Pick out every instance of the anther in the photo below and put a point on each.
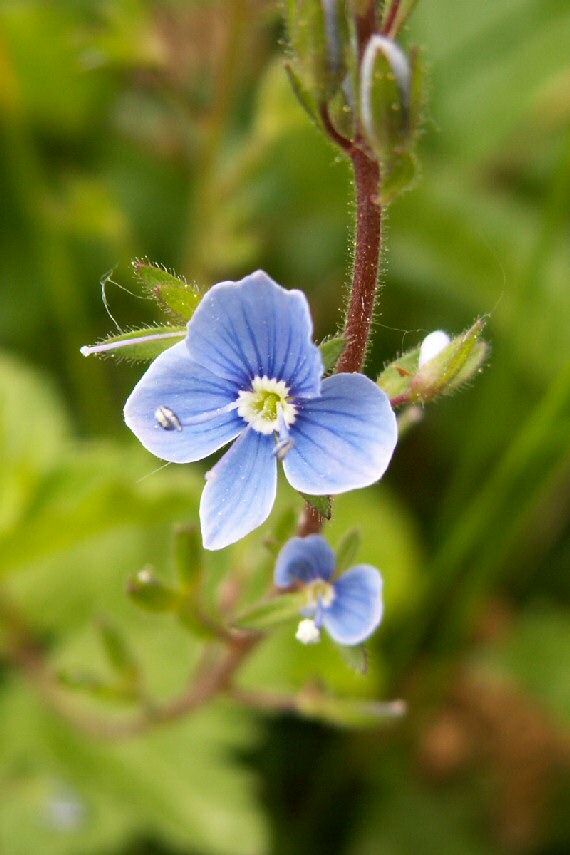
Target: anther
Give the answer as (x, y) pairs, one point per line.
(167, 419)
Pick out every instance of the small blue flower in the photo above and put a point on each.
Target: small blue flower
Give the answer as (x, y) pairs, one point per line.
(350, 608)
(248, 371)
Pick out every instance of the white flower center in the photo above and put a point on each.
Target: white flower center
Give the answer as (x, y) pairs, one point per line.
(262, 405)
(320, 591)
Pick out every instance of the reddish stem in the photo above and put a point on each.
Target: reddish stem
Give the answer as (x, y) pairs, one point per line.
(366, 261)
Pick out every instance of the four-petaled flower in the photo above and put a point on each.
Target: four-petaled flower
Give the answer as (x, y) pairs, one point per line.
(350, 607)
(248, 370)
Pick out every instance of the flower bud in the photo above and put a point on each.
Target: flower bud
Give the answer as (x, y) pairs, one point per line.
(147, 591)
(432, 345)
(385, 97)
(319, 37)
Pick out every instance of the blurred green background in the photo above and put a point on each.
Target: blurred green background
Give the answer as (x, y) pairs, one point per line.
(167, 129)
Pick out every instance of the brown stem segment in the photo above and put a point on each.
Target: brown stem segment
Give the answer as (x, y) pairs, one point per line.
(366, 260)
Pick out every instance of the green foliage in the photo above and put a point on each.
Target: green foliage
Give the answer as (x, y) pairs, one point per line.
(214, 172)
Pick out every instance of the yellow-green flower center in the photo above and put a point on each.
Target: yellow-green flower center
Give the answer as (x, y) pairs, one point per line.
(262, 405)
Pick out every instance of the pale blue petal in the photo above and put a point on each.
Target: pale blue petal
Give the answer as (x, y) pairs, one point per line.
(253, 328)
(344, 439)
(357, 607)
(190, 391)
(240, 490)
(304, 559)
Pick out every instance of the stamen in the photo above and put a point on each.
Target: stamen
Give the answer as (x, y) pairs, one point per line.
(168, 420)
(285, 443)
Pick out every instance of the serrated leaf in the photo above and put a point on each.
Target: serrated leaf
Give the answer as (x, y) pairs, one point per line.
(347, 550)
(322, 504)
(270, 613)
(142, 345)
(331, 351)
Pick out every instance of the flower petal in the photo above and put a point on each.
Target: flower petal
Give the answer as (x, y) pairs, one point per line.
(189, 391)
(253, 328)
(304, 559)
(344, 439)
(357, 607)
(240, 490)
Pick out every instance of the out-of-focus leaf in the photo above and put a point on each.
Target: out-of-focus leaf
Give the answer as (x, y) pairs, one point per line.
(355, 656)
(347, 550)
(272, 612)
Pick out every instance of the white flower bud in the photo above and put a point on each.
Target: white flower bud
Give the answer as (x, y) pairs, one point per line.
(432, 345)
(307, 632)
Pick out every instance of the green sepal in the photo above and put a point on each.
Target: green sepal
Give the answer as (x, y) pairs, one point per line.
(347, 712)
(151, 594)
(173, 293)
(318, 33)
(404, 9)
(331, 351)
(458, 363)
(347, 550)
(303, 95)
(398, 175)
(142, 345)
(119, 654)
(355, 656)
(396, 377)
(385, 98)
(270, 613)
(322, 504)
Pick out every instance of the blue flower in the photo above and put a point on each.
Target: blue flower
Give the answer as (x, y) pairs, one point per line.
(248, 371)
(350, 608)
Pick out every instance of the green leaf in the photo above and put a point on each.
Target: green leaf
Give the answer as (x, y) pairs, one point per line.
(120, 656)
(347, 550)
(140, 345)
(270, 613)
(150, 593)
(331, 351)
(188, 556)
(175, 295)
(322, 504)
(355, 656)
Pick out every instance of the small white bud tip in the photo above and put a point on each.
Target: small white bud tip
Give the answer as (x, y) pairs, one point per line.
(432, 345)
(307, 632)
